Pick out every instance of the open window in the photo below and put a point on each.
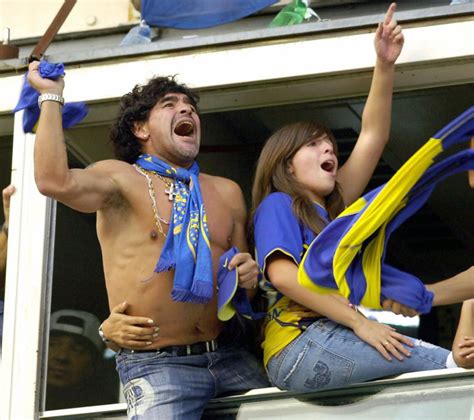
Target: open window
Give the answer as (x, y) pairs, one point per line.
(432, 245)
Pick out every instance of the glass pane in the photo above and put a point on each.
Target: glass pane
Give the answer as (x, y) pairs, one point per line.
(5, 175)
(80, 372)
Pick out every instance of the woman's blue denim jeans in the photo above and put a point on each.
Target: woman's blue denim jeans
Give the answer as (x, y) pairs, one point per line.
(328, 355)
(158, 385)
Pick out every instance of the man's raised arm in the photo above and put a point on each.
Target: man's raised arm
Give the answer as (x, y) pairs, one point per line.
(85, 190)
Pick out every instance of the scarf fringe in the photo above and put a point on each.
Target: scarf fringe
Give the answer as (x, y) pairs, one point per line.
(183, 295)
(202, 289)
(164, 266)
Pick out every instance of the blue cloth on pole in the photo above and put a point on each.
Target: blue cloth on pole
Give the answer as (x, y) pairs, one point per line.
(187, 249)
(73, 112)
(198, 14)
(358, 268)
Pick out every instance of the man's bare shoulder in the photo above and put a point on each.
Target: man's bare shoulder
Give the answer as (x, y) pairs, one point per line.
(110, 166)
(230, 192)
(225, 186)
(116, 170)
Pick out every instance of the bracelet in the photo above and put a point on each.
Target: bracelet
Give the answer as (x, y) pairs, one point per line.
(50, 97)
(103, 337)
(5, 229)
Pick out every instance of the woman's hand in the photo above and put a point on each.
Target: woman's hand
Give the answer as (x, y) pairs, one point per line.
(463, 345)
(384, 338)
(466, 352)
(389, 38)
(132, 332)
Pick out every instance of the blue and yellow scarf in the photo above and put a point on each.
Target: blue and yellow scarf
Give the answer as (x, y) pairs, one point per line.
(187, 248)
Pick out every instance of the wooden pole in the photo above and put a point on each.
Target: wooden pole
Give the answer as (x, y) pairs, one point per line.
(51, 32)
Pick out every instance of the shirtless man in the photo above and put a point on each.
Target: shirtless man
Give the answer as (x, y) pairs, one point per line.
(160, 119)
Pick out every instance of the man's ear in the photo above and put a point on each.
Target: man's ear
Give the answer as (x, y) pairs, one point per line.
(140, 130)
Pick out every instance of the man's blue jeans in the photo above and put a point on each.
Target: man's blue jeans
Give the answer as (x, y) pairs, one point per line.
(328, 355)
(158, 385)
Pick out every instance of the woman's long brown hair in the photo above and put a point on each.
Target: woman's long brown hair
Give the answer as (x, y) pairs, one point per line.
(272, 173)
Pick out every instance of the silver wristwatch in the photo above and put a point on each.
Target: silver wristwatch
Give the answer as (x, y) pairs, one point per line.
(50, 97)
(103, 337)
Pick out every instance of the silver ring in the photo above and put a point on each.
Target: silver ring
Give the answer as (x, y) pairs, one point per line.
(385, 344)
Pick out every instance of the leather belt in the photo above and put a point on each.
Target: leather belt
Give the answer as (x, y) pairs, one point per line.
(183, 349)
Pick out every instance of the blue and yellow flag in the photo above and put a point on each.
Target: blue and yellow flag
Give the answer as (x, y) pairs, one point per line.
(349, 253)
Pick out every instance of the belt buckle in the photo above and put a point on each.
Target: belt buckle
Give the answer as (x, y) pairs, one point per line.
(188, 350)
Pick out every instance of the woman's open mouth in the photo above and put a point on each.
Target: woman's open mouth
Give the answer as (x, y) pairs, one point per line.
(329, 166)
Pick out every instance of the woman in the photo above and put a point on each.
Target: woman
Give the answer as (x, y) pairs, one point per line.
(321, 342)
(314, 341)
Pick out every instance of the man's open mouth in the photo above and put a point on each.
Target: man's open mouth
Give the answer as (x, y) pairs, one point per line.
(184, 128)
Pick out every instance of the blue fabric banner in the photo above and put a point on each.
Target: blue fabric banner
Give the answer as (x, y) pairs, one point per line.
(198, 14)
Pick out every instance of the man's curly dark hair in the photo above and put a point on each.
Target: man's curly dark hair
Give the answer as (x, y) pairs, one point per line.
(135, 107)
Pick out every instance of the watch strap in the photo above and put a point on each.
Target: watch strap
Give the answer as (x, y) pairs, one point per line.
(103, 337)
(50, 97)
